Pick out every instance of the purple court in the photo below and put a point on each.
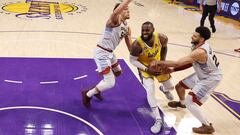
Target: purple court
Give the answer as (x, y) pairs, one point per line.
(42, 96)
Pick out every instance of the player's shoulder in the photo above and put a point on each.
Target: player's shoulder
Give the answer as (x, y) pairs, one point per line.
(199, 51)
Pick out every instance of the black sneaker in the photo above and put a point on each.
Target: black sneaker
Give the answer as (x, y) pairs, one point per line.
(175, 104)
(85, 99)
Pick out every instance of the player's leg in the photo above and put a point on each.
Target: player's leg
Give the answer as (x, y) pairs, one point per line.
(199, 94)
(116, 68)
(149, 86)
(103, 63)
(204, 15)
(167, 85)
(181, 87)
(212, 12)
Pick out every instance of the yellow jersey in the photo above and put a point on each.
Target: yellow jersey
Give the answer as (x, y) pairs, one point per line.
(150, 54)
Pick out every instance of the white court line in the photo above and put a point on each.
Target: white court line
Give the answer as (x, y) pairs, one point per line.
(49, 82)
(80, 77)
(12, 81)
(53, 110)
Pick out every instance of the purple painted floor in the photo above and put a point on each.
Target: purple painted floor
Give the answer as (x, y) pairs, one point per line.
(231, 105)
(42, 96)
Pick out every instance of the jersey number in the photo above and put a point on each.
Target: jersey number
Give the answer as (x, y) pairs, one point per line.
(215, 60)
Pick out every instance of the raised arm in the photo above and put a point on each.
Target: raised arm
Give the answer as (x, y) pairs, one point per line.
(128, 39)
(114, 16)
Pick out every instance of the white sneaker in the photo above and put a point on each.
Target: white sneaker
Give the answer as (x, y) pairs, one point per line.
(157, 126)
(167, 94)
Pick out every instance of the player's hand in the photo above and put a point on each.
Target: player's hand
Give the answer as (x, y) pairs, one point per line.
(154, 64)
(157, 64)
(153, 71)
(167, 70)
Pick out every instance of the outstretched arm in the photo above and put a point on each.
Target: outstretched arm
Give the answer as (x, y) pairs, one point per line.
(183, 67)
(197, 55)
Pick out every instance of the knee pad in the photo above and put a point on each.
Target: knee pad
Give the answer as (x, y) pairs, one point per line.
(107, 82)
(192, 99)
(168, 85)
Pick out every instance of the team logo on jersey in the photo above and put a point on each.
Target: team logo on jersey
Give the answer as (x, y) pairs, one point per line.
(41, 9)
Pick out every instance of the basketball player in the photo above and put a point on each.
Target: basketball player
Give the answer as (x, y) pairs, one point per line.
(116, 29)
(146, 48)
(205, 79)
(210, 8)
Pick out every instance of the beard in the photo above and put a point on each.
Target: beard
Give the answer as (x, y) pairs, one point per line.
(148, 38)
(194, 43)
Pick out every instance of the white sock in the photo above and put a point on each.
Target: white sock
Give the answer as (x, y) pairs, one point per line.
(194, 109)
(156, 112)
(168, 85)
(92, 92)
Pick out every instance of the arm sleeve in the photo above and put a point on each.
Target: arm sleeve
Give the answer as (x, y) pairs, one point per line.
(136, 63)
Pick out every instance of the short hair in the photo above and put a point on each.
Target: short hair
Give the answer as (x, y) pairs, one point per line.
(204, 32)
(116, 5)
(147, 23)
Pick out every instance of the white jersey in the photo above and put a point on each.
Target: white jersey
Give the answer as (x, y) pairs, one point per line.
(112, 36)
(211, 68)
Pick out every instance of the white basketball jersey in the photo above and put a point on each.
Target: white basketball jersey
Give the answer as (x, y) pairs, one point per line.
(112, 36)
(211, 68)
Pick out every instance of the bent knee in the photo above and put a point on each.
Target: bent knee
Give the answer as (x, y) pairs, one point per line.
(110, 83)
